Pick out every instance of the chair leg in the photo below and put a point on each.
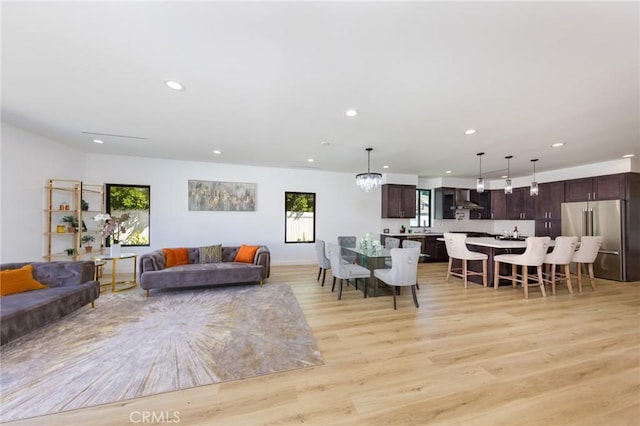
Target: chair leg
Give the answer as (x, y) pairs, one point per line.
(333, 286)
(366, 281)
(496, 274)
(340, 289)
(540, 280)
(579, 272)
(484, 273)
(394, 299)
(553, 279)
(591, 277)
(525, 280)
(324, 275)
(514, 274)
(449, 269)
(464, 271)
(567, 275)
(415, 298)
(319, 272)
(417, 285)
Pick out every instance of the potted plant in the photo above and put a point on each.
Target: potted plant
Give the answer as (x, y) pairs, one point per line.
(86, 240)
(84, 206)
(72, 223)
(71, 251)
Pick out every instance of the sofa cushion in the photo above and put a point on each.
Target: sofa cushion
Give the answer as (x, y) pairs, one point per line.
(202, 274)
(246, 253)
(176, 256)
(18, 281)
(211, 254)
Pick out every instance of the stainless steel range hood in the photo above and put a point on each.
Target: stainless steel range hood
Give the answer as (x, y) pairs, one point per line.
(462, 201)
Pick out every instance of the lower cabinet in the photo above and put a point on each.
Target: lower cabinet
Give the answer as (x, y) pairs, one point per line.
(436, 250)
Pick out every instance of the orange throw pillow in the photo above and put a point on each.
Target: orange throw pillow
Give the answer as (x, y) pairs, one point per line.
(246, 254)
(176, 256)
(18, 280)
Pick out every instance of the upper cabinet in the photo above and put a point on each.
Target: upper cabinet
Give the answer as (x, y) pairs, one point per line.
(483, 199)
(444, 203)
(550, 199)
(608, 187)
(520, 205)
(498, 204)
(398, 201)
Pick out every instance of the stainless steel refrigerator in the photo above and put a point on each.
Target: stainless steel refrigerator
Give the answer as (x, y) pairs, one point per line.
(604, 218)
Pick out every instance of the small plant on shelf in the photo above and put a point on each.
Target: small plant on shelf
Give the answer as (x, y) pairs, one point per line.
(71, 251)
(72, 223)
(87, 240)
(84, 206)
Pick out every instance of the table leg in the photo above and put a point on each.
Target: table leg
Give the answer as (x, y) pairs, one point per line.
(113, 275)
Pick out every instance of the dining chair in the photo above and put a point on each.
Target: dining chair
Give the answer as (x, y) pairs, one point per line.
(457, 249)
(390, 243)
(533, 255)
(346, 271)
(403, 272)
(413, 244)
(323, 261)
(586, 255)
(562, 253)
(348, 241)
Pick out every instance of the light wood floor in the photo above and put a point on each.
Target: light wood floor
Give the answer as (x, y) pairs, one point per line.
(465, 357)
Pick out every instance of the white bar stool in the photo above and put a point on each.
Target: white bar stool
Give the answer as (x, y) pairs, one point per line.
(586, 255)
(533, 255)
(457, 249)
(562, 253)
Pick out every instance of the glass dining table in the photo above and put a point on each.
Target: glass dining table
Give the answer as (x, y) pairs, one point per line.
(371, 259)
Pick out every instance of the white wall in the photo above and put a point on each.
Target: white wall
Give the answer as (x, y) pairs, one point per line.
(341, 207)
(28, 160)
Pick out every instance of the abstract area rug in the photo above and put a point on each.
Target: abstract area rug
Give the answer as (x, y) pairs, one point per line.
(131, 346)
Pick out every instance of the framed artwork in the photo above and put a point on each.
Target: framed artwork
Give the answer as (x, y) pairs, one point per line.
(222, 196)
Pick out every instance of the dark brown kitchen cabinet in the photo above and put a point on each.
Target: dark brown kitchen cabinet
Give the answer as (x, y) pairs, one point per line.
(498, 204)
(483, 199)
(608, 187)
(549, 201)
(548, 228)
(444, 203)
(398, 201)
(437, 250)
(520, 205)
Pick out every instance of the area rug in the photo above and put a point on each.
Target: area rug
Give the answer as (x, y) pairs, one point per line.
(131, 346)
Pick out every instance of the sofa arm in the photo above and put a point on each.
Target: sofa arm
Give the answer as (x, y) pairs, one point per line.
(56, 274)
(263, 257)
(154, 261)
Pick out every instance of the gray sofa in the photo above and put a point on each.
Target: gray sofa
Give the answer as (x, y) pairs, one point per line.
(71, 286)
(154, 273)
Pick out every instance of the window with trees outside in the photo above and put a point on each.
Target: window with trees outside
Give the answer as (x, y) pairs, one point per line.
(132, 202)
(423, 209)
(300, 217)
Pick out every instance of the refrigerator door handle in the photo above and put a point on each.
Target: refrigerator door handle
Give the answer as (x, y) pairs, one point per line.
(614, 252)
(589, 222)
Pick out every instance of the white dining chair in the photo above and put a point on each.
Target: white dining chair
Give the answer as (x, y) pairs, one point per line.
(346, 271)
(533, 256)
(403, 272)
(323, 261)
(457, 249)
(390, 243)
(413, 244)
(348, 241)
(562, 253)
(586, 255)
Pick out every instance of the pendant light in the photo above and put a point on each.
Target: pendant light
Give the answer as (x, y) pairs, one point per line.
(368, 181)
(480, 180)
(533, 191)
(508, 189)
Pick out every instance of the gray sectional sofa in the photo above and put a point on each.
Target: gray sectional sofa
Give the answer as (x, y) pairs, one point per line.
(155, 274)
(71, 286)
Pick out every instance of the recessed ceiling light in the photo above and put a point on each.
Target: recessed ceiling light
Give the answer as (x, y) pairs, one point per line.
(310, 160)
(504, 176)
(628, 155)
(98, 141)
(325, 143)
(448, 172)
(555, 145)
(174, 85)
(470, 131)
(351, 113)
(217, 151)
(385, 167)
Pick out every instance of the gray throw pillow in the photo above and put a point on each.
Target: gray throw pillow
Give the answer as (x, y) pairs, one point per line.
(211, 254)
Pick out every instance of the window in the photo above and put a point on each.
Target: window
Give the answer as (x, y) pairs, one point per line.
(300, 217)
(135, 201)
(423, 208)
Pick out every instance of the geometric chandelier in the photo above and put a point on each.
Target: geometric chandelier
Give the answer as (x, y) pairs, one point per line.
(369, 180)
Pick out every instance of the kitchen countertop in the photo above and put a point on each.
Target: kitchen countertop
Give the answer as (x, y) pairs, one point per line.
(499, 244)
(413, 234)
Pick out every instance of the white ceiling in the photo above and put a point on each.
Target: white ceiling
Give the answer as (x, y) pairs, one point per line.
(266, 83)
